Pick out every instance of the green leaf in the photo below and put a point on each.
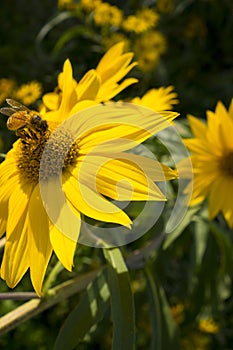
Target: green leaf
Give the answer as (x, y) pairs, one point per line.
(226, 248)
(87, 313)
(51, 24)
(75, 31)
(172, 236)
(164, 330)
(155, 311)
(201, 235)
(122, 303)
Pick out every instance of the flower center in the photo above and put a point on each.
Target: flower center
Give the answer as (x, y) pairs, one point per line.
(226, 164)
(57, 156)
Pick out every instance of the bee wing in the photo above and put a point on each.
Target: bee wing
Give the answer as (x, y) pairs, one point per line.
(7, 111)
(16, 105)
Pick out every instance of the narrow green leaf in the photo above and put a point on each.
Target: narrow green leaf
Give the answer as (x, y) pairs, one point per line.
(88, 312)
(170, 338)
(154, 310)
(172, 236)
(51, 24)
(201, 235)
(164, 330)
(122, 303)
(226, 248)
(74, 32)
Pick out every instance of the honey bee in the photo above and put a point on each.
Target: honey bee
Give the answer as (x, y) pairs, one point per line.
(25, 122)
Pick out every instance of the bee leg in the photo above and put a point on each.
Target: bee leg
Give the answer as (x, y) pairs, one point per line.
(24, 133)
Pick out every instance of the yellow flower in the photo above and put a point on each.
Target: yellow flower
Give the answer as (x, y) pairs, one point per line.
(100, 84)
(177, 312)
(144, 20)
(6, 88)
(28, 93)
(165, 6)
(91, 170)
(106, 14)
(212, 158)
(161, 99)
(90, 5)
(115, 38)
(195, 28)
(65, 4)
(208, 326)
(148, 49)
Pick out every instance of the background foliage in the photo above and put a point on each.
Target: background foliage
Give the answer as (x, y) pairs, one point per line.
(182, 284)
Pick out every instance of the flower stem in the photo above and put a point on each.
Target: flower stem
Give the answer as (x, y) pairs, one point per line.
(52, 276)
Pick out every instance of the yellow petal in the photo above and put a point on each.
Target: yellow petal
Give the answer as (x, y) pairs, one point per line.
(69, 97)
(51, 100)
(39, 246)
(118, 124)
(198, 127)
(16, 255)
(161, 99)
(108, 91)
(8, 169)
(117, 69)
(18, 203)
(114, 52)
(88, 86)
(122, 176)
(63, 246)
(61, 214)
(5, 192)
(217, 196)
(91, 203)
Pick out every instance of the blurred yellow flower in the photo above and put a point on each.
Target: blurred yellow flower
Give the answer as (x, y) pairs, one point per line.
(161, 99)
(195, 341)
(142, 21)
(177, 312)
(148, 49)
(28, 93)
(196, 27)
(31, 236)
(106, 14)
(6, 88)
(212, 158)
(208, 325)
(115, 38)
(65, 4)
(165, 6)
(90, 5)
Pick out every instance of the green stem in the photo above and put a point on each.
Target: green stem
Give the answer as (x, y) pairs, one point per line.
(52, 276)
(36, 306)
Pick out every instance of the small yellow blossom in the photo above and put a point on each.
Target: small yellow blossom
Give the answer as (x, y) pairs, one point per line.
(208, 325)
(195, 28)
(142, 21)
(90, 5)
(148, 49)
(195, 341)
(177, 312)
(65, 4)
(114, 39)
(6, 88)
(165, 6)
(28, 93)
(105, 14)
